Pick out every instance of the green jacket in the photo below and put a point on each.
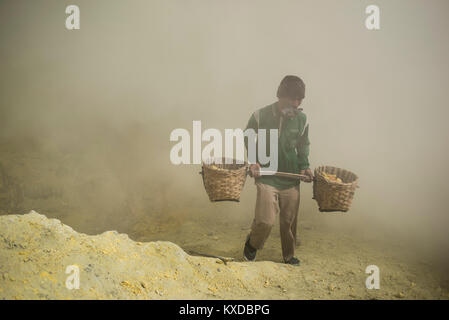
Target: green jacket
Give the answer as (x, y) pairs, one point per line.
(293, 143)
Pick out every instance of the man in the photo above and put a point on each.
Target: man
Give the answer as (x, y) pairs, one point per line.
(278, 194)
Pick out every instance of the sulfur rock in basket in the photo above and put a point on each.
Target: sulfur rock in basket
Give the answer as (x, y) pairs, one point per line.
(334, 188)
(222, 181)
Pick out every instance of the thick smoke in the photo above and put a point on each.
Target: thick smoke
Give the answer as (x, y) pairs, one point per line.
(86, 115)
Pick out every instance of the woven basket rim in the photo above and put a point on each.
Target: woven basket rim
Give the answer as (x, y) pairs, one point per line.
(210, 164)
(317, 169)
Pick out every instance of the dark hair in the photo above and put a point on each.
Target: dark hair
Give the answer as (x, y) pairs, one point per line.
(291, 87)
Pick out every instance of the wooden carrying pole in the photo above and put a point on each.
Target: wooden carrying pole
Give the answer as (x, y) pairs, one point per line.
(283, 174)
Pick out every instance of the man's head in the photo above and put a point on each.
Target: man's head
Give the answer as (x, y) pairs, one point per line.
(291, 91)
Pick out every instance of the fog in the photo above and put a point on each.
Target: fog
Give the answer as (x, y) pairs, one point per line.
(95, 107)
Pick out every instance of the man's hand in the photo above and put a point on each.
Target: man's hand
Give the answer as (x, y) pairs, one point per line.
(254, 170)
(308, 173)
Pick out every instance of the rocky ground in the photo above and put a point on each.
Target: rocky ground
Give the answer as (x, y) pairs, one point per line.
(162, 218)
(35, 253)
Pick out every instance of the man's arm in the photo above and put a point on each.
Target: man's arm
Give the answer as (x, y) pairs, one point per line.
(252, 124)
(303, 149)
(303, 155)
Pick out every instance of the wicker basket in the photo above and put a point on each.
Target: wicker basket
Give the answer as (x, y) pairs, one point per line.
(334, 196)
(223, 182)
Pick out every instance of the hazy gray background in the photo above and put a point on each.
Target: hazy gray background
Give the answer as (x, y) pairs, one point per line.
(85, 115)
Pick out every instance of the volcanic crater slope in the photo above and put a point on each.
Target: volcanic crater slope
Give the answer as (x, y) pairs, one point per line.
(36, 252)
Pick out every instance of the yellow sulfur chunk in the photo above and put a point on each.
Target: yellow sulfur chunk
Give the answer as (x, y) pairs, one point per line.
(331, 177)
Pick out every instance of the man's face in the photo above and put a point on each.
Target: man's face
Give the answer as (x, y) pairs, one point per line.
(290, 102)
(289, 107)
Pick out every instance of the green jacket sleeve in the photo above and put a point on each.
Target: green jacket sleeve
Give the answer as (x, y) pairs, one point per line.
(303, 149)
(252, 124)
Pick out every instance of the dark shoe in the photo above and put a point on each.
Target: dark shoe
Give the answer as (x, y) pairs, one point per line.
(249, 253)
(293, 261)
